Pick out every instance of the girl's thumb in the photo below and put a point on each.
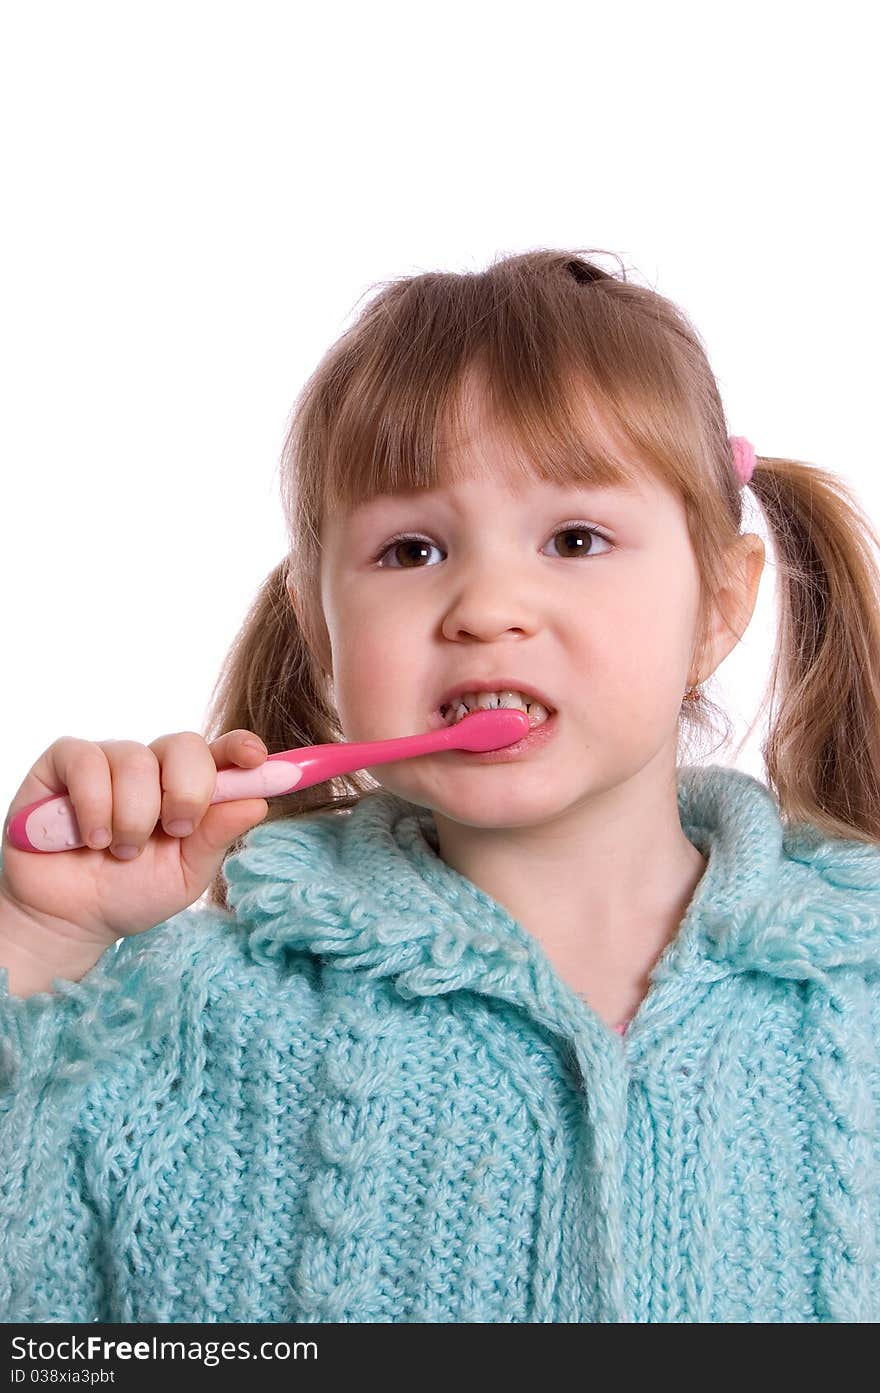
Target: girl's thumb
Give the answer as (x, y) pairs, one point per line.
(206, 847)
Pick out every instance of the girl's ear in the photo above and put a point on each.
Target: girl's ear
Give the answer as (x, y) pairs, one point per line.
(735, 603)
(753, 560)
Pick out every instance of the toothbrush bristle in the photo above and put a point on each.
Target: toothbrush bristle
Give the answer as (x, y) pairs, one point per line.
(491, 730)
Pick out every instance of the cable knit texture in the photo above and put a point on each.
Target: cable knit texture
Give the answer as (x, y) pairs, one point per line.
(365, 1094)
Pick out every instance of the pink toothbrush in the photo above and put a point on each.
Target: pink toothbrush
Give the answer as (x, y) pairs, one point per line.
(50, 824)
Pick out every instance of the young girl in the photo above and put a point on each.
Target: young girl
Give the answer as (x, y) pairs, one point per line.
(385, 1072)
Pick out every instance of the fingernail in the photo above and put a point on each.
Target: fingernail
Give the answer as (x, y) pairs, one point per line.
(180, 828)
(100, 838)
(256, 745)
(125, 853)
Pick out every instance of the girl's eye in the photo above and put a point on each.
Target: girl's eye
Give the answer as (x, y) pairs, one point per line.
(415, 546)
(579, 547)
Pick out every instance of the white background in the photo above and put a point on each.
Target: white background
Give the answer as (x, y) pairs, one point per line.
(197, 195)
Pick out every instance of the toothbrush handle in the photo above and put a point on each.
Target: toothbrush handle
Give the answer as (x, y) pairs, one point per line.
(50, 824)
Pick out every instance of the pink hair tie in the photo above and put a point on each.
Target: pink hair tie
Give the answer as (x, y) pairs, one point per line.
(743, 457)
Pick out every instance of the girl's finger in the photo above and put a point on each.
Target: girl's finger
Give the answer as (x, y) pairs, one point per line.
(238, 747)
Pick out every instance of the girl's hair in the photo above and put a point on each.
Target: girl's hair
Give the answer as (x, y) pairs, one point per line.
(597, 380)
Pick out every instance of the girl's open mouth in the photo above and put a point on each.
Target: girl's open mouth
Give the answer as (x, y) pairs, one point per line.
(539, 736)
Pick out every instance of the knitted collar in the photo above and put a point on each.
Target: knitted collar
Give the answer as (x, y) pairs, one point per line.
(366, 889)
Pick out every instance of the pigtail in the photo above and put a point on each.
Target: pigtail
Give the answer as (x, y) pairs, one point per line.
(270, 683)
(822, 750)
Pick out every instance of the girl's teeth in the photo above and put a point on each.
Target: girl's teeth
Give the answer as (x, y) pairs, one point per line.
(490, 701)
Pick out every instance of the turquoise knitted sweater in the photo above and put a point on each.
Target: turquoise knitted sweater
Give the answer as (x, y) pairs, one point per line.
(366, 1095)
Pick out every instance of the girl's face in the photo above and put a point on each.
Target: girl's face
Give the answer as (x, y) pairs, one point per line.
(504, 579)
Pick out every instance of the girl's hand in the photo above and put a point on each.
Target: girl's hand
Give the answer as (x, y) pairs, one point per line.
(138, 793)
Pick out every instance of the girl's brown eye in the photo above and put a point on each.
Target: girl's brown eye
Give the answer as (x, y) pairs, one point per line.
(416, 548)
(580, 548)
